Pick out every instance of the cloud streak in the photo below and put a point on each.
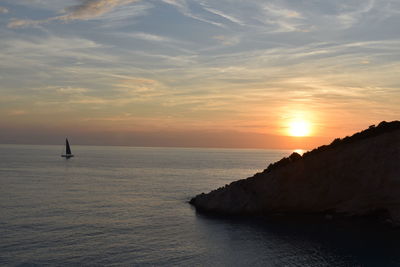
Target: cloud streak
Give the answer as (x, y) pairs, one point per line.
(85, 10)
(225, 16)
(183, 7)
(150, 37)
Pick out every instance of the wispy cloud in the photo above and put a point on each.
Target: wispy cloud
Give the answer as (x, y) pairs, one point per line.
(134, 85)
(185, 10)
(149, 37)
(286, 20)
(225, 16)
(72, 90)
(178, 3)
(352, 14)
(227, 40)
(85, 10)
(89, 9)
(17, 112)
(49, 49)
(277, 11)
(3, 10)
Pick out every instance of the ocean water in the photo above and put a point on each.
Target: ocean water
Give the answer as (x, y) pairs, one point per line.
(128, 207)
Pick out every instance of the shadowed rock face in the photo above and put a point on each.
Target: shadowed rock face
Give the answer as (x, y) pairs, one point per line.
(357, 175)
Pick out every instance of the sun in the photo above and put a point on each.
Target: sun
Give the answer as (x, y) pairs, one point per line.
(299, 128)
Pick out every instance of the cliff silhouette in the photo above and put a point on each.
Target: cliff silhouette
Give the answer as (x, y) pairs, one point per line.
(354, 176)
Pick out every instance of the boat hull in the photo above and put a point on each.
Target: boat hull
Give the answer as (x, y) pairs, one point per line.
(67, 156)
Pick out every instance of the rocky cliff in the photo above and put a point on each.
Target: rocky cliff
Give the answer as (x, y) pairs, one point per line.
(357, 175)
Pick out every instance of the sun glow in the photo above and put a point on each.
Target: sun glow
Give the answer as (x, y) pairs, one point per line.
(299, 128)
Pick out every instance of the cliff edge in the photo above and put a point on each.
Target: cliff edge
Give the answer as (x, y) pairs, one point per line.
(354, 176)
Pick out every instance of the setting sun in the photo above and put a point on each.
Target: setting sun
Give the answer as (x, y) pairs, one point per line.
(299, 128)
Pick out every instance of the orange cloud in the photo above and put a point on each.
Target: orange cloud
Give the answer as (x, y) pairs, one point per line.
(87, 9)
(17, 112)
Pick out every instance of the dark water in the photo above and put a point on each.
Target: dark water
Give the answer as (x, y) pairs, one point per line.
(128, 206)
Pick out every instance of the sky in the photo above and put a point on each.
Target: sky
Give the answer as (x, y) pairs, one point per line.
(196, 73)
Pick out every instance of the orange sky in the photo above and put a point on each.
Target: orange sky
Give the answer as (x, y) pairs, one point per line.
(190, 73)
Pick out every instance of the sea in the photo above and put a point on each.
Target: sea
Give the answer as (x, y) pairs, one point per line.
(128, 206)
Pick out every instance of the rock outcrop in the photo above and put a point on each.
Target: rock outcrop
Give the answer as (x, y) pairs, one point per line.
(357, 175)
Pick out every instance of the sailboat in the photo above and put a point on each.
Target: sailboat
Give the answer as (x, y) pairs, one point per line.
(68, 154)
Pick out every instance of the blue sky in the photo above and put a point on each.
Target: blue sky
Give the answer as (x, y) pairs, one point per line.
(172, 65)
